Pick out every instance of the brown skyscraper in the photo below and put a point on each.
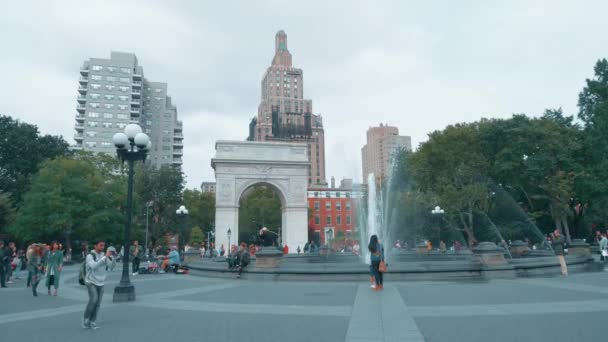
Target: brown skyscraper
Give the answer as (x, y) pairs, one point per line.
(284, 114)
(382, 142)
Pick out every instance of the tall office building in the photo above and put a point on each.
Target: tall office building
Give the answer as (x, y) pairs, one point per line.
(382, 142)
(113, 93)
(285, 115)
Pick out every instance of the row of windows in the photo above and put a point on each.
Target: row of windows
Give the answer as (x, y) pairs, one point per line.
(97, 86)
(106, 124)
(96, 96)
(328, 220)
(108, 105)
(328, 205)
(337, 194)
(108, 115)
(110, 69)
(111, 78)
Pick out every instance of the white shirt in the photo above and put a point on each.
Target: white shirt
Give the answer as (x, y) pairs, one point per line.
(97, 268)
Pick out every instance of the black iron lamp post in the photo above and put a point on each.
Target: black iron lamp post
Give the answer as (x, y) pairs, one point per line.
(437, 212)
(229, 245)
(132, 145)
(182, 213)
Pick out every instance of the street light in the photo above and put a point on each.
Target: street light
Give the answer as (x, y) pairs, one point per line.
(438, 211)
(182, 212)
(132, 145)
(210, 234)
(229, 245)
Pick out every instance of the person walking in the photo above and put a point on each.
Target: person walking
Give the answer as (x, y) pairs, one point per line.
(558, 248)
(136, 254)
(53, 267)
(97, 266)
(603, 248)
(377, 255)
(35, 266)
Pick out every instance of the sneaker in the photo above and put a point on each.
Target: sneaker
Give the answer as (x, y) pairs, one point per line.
(373, 286)
(93, 325)
(86, 324)
(135, 273)
(9, 282)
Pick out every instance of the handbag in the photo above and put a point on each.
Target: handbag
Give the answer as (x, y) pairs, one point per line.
(382, 267)
(605, 252)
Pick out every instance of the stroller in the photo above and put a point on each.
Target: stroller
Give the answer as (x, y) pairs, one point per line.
(148, 267)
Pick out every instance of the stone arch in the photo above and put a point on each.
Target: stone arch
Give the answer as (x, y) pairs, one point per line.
(240, 165)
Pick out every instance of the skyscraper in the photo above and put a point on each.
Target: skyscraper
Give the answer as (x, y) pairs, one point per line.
(382, 142)
(285, 115)
(113, 93)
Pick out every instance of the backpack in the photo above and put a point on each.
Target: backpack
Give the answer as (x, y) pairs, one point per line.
(83, 270)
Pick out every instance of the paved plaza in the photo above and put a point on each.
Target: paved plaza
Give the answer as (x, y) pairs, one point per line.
(190, 308)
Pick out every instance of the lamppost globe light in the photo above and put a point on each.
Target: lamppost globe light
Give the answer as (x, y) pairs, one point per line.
(132, 130)
(149, 146)
(141, 140)
(182, 207)
(185, 212)
(120, 140)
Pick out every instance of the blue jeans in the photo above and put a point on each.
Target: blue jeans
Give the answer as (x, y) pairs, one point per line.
(95, 295)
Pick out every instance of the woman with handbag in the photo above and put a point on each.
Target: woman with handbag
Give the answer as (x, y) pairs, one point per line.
(377, 257)
(53, 267)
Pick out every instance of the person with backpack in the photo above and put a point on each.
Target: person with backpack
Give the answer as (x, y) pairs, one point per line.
(93, 276)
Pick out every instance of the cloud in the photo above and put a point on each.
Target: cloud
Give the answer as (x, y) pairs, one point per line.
(419, 66)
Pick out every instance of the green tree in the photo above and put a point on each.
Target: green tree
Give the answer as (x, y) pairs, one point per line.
(22, 149)
(201, 207)
(7, 212)
(71, 198)
(196, 237)
(259, 206)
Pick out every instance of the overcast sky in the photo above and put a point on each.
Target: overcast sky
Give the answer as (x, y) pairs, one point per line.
(416, 65)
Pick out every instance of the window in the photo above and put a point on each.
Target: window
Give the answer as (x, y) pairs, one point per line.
(317, 220)
(338, 194)
(106, 144)
(110, 87)
(95, 96)
(123, 97)
(123, 106)
(327, 194)
(158, 90)
(109, 96)
(122, 116)
(328, 220)
(108, 115)
(338, 206)
(94, 104)
(347, 206)
(157, 98)
(95, 86)
(107, 124)
(96, 77)
(148, 122)
(91, 133)
(121, 125)
(92, 123)
(316, 194)
(348, 220)
(125, 80)
(109, 106)
(338, 219)
(125, 70)
(91, 143)
(123, 88)
(316, 205)
(328, 205)
(110, 78)
(148, 131)
(93, 114)
(96, 68)
(111, 69)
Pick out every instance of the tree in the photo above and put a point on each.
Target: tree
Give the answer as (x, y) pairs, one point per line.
(201, 207)
(22, 149)
(7, 212)
(71, 198)
(164, 187)
(259, 206)
(196, 237)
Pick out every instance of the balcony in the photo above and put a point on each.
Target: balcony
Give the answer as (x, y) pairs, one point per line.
(178, 136)
(83, 80)
(84, 72)
(79, 118)
(135, 103)
(177, 161)
(134, 112)
(177, 144)
(81, 99)
(136, 93)
(137, 76)
(178, 152)
(81, 108)
(136, 84)
(82, 89)
(78, 137)
(79, 127)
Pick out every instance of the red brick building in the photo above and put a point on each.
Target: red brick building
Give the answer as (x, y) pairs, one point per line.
(333, 210)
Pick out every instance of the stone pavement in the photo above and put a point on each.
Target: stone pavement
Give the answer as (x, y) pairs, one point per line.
(189, 308)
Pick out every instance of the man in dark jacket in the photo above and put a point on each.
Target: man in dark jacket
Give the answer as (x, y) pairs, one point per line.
(558, 248)
(4, 257)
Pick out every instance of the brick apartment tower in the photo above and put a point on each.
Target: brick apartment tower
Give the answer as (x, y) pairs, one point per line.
(284, 114)
(382, 142)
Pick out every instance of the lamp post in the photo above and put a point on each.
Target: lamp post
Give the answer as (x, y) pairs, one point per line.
(132, 145)
(182, 213)
(436, 212)
(210, 234)
(229, 245)
(148, 205)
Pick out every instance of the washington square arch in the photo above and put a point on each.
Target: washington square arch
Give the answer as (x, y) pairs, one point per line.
(283, 167)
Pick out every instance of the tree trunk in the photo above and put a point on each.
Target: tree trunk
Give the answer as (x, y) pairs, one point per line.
(471, 240)
(566, 229)
(558, 224)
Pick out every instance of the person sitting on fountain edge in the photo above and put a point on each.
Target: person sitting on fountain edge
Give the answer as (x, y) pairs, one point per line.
(240, 259)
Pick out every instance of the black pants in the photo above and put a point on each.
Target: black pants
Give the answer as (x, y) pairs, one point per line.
(2, 275)
(51, 282)
(35, 282)
(135, 264)
(377, 274)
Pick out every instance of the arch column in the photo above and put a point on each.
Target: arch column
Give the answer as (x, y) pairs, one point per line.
(226, 217)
